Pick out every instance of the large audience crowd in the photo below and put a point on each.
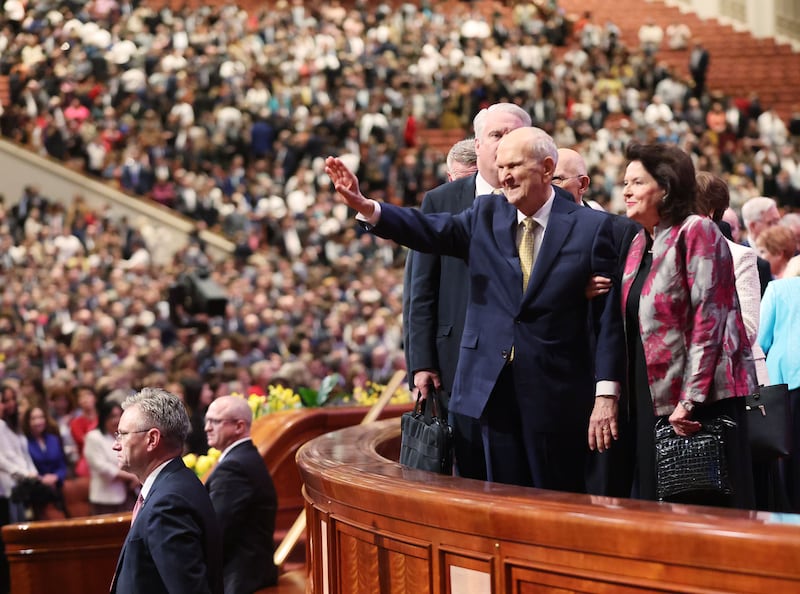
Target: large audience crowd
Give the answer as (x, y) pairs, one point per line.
(226, 116)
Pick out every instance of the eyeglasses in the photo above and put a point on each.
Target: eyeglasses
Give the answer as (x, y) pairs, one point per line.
(557, 179)
(215, 422)
(118, 435)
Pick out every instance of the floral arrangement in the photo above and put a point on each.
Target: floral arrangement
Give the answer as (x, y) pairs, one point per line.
(280, 398)
(203, 463)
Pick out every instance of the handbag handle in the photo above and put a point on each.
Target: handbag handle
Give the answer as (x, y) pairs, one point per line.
(664, 428)
(433, 405)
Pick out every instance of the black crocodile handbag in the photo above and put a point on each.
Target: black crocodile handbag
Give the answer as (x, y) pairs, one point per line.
(696, 463)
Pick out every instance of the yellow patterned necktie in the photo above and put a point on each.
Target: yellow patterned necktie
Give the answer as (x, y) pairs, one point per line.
(526, 246)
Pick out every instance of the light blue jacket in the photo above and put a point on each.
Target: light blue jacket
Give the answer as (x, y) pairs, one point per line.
(779, 331)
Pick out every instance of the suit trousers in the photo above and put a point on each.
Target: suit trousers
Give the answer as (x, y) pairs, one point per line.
(470, 460)
(518, 455)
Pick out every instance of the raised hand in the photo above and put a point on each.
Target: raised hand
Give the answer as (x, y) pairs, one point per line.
(346, 184)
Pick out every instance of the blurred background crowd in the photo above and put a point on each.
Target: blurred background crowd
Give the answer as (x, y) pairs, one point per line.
(226, 116)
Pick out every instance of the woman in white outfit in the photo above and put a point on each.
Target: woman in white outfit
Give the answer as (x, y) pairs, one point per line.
(712, 200)
(111, 490)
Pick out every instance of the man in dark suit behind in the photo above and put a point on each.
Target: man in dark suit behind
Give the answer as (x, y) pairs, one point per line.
(610, 472)
(244, 498)
(173, 544)
(527, 369)
(438, 286)
(461, 163)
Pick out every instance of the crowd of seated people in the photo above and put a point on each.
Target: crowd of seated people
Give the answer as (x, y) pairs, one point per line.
(226, 116)
(80, 332)
(78, 329)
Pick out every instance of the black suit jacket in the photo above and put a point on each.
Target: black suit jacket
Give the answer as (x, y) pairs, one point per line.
(437, 288)
(699, 68)
(174, 544)
(245, 502)
(623, 230)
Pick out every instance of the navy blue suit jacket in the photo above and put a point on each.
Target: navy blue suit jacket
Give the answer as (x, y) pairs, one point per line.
(174, 545)
(246, 503)
(547, 325)
(436, 290)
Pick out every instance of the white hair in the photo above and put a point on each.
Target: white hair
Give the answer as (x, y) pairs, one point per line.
(480, 119)
(754, 208)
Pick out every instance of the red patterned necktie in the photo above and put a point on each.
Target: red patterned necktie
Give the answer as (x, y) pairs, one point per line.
(137, 506)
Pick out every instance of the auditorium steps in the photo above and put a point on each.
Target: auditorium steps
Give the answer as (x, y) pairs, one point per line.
(439, 140)
(740, 64)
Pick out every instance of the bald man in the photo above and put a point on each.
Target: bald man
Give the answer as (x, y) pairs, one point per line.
(570, 175)
(243, 497)
(437, 287)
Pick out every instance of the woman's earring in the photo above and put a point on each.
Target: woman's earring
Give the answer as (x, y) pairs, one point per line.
(664, 197)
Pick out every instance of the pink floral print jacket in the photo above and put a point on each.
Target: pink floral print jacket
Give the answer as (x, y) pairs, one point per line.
(695, 343)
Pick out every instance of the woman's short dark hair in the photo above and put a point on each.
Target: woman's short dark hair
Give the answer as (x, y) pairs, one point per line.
(713, 197)
(104, 410)
(673, 171)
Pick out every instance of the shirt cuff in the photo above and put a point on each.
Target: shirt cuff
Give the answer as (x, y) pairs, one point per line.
(608, 388)
(375, 217)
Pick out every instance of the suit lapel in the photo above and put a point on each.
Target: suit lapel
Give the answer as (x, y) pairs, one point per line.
(504, 229)
(467, 194)
(113, 588)
(175, 464)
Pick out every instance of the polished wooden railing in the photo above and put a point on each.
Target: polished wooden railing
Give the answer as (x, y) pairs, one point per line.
(75, 556)
(376, 526)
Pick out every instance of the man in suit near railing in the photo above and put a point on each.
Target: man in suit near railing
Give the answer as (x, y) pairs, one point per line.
(437, 287)
(528, 370)
(173, 544)
(243, 496)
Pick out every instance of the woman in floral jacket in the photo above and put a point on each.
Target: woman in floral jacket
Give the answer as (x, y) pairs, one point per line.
(689, 357)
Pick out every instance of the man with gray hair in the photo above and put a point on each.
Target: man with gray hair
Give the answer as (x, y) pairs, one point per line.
(174, 542)
(539, 383)
(462, 160)
(758, 214)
